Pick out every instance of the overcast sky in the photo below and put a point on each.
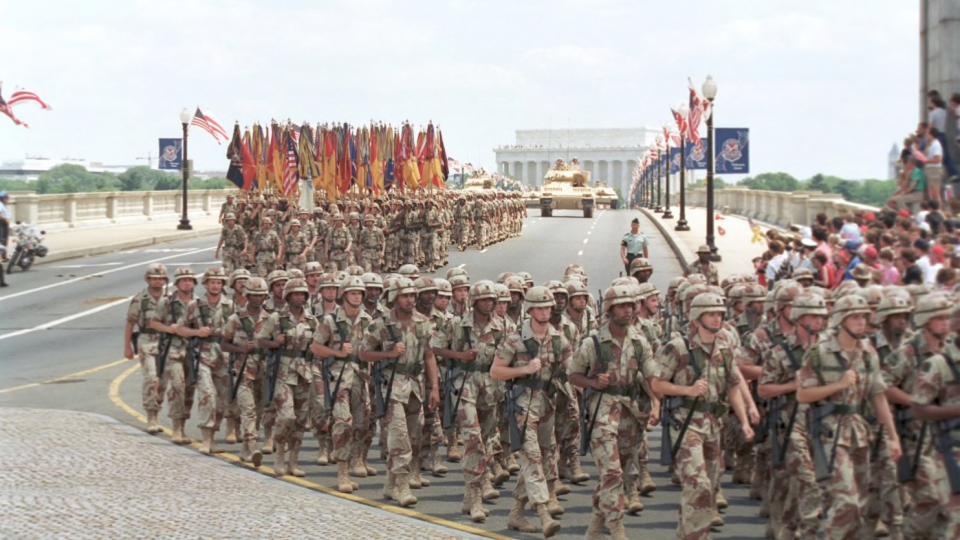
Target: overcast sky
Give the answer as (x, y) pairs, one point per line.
(824, 86)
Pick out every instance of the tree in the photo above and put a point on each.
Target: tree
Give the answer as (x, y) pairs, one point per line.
(144, 178)
(74, 179)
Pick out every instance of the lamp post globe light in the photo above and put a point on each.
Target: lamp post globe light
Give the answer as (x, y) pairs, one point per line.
(682, 224)
(185, 118)
(710, 92)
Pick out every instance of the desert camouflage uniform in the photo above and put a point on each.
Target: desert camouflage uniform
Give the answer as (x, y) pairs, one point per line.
(338, 240)
(266, 248)
(241, 328)
(171, 310)
(708, 269)
(234, 239)
(621, 417)
(295, 250)
(142, 310)
(213, 378)
(372, 243)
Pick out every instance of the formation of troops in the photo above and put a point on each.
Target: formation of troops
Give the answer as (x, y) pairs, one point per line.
(840, 409)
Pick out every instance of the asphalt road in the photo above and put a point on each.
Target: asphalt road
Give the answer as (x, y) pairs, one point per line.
(66, 319)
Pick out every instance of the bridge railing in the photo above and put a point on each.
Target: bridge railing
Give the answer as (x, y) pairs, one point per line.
(65, 210)
(781, 208)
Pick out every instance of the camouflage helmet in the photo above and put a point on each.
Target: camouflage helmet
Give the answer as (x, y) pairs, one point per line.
(256, 286)
(574, 269)
(646, 290)
(184, 273)
(527, 278)
(295, 273)
(873, 294)
(295, 223)
(503, 276)
(930, 307)
(674, 284)
(237, 275)
(623, 280)
(372, 281)
(804, 274)
(456, 271)
(735, 293)
(556, 287)
(398, 287)
(514, 284)
(352, 283)
(754, 292)
(503, 293)
(483, 289)
(783, 295)
(443, 287)
(156, 270)
(892, 304)
(538, 296)
(230, 216)
(409, 271)
(706, 303)
(575, 287)
(275, 276)
(851, 304)
(617, 294)
(296, 285)
(329, 279)
(697, 279)
(313, 268)
(918, 291)
(214, 273)
(425, 284)
(808, 303)
(458, 281)
(845, 289)
(862, 272)
(354, 270)
(639, 265)
(369, 218)
(703, 249)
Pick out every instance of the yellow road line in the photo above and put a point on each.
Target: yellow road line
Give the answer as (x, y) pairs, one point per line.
(65, 377)
(268, 471)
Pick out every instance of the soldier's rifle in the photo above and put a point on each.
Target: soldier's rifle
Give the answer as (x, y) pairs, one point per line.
(450, 407)
(330, 396)
(946, 444)
(588, 421)
(384, 399)
(273, 371)
(161, 362)
(694, 407)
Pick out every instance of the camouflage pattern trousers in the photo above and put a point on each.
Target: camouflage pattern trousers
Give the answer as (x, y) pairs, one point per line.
(929, 493)
(615, 445)
(477, 419)
(886, 495)
(179, 393)
(152, 388)
(794, 493)
(266, 263)
(232, 259)
(321, 417)
(698, 466)
(213, 394)
(292, 402)
(845, 494)
(568, 427)
(351, 411)
(538, 455)
(247, 400)
(404, 423)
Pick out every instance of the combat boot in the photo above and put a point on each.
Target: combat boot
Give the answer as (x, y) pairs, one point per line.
(454, 453)
(499, 475)
(647, 485)
(595, 529)
(577, 474)
(417, 476)
(561, 488)
(722, 503)
(279, 459)
(323, 456)
(634, 504)
(233, 428)
(268, 441)
(293, 458)
(256, 456)
(617, 532)
(401, 492)
(437, 468)
(881, 530)
(153, 425)
(717, 521)
(549, 525)
(343, 478)
(473, 505)
(206, 441)
(370, 470)
(516, 521)
(388, 486)
(512, 466)
(489, 493)
(179, 437)
(553, 504)
(357, 469)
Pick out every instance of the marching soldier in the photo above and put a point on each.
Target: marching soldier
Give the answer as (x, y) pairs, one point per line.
(700, 369)
(296, 246)
(276, 281)
(144, 343)
(402, 339)
(372, 245)
(614, 366)
(267, 247)
(233, 241)
(239, 337)
(531, 359)
(339, 241)
(176, 315)
(213, 375)
(841, 372)
(287, 335)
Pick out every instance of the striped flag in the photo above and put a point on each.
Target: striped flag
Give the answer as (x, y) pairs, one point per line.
(681, 122)
(23, 96)
(290, 175)
(694, 116)
(209, 125)
(5, 109)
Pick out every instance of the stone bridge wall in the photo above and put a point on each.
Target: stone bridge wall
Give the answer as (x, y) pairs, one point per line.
(781, 208)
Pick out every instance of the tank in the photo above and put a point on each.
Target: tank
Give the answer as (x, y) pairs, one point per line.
(606, 196)
(567, 187)
(479, 183)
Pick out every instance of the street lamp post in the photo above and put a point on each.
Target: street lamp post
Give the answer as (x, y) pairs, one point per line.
(710, 92)
(666, 180)
(682, 225)
(185, 118)
(659, 163)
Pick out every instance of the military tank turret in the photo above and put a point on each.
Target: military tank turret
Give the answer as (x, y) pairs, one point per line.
(567, 187)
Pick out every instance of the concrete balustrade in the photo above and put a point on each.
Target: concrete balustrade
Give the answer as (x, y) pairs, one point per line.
(68, 210)
(781, 208)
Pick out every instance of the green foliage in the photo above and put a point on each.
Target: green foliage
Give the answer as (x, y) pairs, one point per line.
(872, 192)
(210, 183)
(718, 183)
(773, 181)
(76, 179)
(14, 185)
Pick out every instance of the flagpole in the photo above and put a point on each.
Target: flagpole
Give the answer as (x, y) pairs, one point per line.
(666, 175)
(682, 222)
(185, 118)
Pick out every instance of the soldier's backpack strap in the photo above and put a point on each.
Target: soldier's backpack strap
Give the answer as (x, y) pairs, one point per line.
(248, 327)
(557, 348)
(954, 369)
(697, 367)
(794, 363)
(466, 337)
(144, 299)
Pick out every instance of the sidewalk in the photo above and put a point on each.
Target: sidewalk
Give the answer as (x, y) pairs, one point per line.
(81, 475)
(84, 242)
(732, 236)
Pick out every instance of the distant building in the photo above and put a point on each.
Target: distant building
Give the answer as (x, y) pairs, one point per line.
(893, 159)
(610, 155)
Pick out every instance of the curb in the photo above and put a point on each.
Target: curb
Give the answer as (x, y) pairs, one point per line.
(102, 249)
(681, 254)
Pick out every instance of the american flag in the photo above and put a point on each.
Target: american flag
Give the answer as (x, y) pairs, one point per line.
(681, 121)
(5, 109)
(694, 116)
(23, 96)
(209, 125)
(290, 175)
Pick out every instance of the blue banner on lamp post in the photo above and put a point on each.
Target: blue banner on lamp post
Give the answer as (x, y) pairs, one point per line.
(732, 148)
(171, 154)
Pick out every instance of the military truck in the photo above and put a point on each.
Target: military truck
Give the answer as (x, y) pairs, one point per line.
(606, 196)
(566, 187)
